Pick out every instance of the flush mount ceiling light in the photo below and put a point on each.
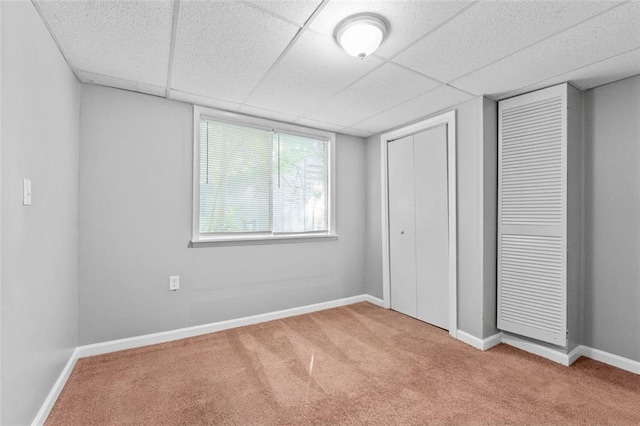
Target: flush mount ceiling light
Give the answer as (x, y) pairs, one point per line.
(360, 35)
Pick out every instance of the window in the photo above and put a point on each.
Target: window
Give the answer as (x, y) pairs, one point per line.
(258, 180)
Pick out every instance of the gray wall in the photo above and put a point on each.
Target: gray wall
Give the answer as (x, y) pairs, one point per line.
(489, 216)
(135, 225)
(612, 220)
(40, 116)
(476, 172)
(373, 213)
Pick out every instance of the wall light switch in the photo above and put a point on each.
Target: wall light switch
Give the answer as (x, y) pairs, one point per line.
(26, 197)
(174, 283)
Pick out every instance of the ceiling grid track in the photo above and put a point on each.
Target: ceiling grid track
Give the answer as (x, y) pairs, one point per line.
(270, 13)
(532, 86)
(172, 48)
(55, 40)
(390, 60)
(288, 48)
(543, 39)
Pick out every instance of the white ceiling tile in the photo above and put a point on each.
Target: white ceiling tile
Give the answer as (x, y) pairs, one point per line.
(607, 71)
(191, 98)
(265, 113)
(607, 35)
(297, 11)
(437, 100)
(408, 19)
(223, 48)
(104, 80)
(378, 91)
(311, 72)
(320, 125)
(124, 39)
(356, 132)
(491, 30)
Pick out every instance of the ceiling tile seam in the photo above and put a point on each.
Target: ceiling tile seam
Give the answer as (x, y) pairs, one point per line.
(542, 40)
(55, 40)
(172, 46)
(339, 92)
(122, 81)
(206, 97)
(118, 79)
(449, 108)
(390, 58)
(434, 29)
(532, 85)
(429, 77)
(353, 125)
(271, 110)
(286, 50)
(268, 12)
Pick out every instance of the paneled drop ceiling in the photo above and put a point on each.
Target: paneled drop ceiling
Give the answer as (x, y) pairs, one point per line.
(278, 59)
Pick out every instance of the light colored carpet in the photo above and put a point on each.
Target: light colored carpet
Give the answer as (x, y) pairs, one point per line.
(358, 364)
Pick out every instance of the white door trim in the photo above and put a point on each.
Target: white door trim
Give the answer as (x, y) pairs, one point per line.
(449, 119)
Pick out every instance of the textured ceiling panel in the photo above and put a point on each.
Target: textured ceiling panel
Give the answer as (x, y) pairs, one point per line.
(265, 113)
(489, 31)
(190, 98)
(297, 11)
(384, 88)
(134, 86)
(607, 35)
(437, 100)
(314, 124)
(223, 48)
(311, 72)
(408, 19)
(607, 71)
(356, 132)
(127, 40)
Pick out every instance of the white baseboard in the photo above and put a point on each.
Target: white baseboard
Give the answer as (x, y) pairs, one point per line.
(574, 354)
(478, 343)
(611, 359)
(374, 300)
(183, 333)
(51, 399)
(536, 349)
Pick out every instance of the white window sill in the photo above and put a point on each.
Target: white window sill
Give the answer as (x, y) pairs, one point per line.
(249, 241)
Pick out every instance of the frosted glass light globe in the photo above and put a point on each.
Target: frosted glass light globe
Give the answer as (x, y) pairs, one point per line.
(361, 35)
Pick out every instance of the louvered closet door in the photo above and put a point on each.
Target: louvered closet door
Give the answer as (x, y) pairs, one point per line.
(532, 260)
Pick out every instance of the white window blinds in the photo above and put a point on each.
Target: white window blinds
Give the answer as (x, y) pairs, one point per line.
(261, 181)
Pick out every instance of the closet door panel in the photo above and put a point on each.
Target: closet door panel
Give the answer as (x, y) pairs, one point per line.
(532, 281)
(402, 226)
(432, 226)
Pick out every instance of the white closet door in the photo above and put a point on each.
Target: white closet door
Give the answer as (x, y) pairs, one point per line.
(432, 226)
(402, 236)
(532, 256)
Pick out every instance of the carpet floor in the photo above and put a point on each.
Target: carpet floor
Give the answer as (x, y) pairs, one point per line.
(358, 364)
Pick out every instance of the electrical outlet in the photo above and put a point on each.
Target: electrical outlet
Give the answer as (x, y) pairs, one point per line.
(26, 192)
(174, 283)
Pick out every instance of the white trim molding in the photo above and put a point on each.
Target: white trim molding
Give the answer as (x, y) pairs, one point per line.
(51, 399)
(183, 333)
(611, 359)
(449, 119)
(374, 300)
(540, 350)
(478, 343)
(198, 330)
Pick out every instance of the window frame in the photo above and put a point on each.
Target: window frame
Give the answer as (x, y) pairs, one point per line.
(199, 113)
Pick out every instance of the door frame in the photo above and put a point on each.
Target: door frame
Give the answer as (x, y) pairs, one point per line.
(448, 118)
